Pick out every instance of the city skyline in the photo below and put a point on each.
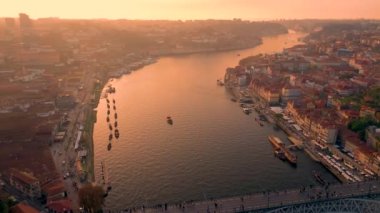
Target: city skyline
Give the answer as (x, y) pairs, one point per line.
(196, 9)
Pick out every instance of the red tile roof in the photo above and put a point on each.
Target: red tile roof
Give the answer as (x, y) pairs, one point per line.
(60, 205)
(23, 208)
(23, 176)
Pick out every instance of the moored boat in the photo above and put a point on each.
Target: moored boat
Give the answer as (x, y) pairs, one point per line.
(280, 154)
(109, 146)
(318, 178)
(276, 142)
(219, 82)
(246, 110)
(117, 134)
(262, 117)
(110, 137)
(111, 89)
(115, 115)
(291, 157)
(278, 145)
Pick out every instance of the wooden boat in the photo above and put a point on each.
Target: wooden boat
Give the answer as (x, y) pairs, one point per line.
(169, 120)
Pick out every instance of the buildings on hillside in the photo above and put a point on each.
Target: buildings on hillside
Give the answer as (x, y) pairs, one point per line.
(322, 86)
(25, 182)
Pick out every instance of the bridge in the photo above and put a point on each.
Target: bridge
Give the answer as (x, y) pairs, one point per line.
(343, 205)
(316, 198)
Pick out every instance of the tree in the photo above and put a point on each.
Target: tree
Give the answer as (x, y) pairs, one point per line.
(3, 207)
(91, 198)
(360, 125)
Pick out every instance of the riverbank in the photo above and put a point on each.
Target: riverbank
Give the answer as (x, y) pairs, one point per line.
(91, 114)
(320, 148)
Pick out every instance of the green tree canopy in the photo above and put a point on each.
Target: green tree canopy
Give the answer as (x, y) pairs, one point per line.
(91, 198)
(4, 207)
(359, 125)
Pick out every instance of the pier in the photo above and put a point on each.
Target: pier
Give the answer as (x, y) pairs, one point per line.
(298, 143)
(270, 200)
(105, 182)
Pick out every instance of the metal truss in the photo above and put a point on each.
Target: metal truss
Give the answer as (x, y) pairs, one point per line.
(343, 206)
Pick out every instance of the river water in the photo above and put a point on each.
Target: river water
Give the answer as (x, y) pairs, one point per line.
(212, 150)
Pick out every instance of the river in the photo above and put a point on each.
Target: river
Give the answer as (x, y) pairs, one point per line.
(213, 149)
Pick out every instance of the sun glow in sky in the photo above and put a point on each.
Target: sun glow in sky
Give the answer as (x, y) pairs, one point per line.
(194, 9)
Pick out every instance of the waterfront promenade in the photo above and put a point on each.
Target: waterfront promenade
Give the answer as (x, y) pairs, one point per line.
(269, 199)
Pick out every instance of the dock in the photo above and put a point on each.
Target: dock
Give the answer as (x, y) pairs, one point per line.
(105, 181)
(315, 158)
(295, 141)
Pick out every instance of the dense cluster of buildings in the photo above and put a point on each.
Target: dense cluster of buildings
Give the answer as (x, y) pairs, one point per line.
(327, 86)
(39, 87)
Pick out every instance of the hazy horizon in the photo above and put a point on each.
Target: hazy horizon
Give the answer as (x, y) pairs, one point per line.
(195, 10)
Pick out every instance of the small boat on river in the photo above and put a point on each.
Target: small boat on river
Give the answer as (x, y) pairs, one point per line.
(219, 82)
(318, 178)
(247, 110)
(169, 120)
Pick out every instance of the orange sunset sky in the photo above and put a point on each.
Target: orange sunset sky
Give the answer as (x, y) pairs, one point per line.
(194, 9)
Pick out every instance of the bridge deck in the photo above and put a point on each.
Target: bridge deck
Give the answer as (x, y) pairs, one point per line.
(272, 199)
